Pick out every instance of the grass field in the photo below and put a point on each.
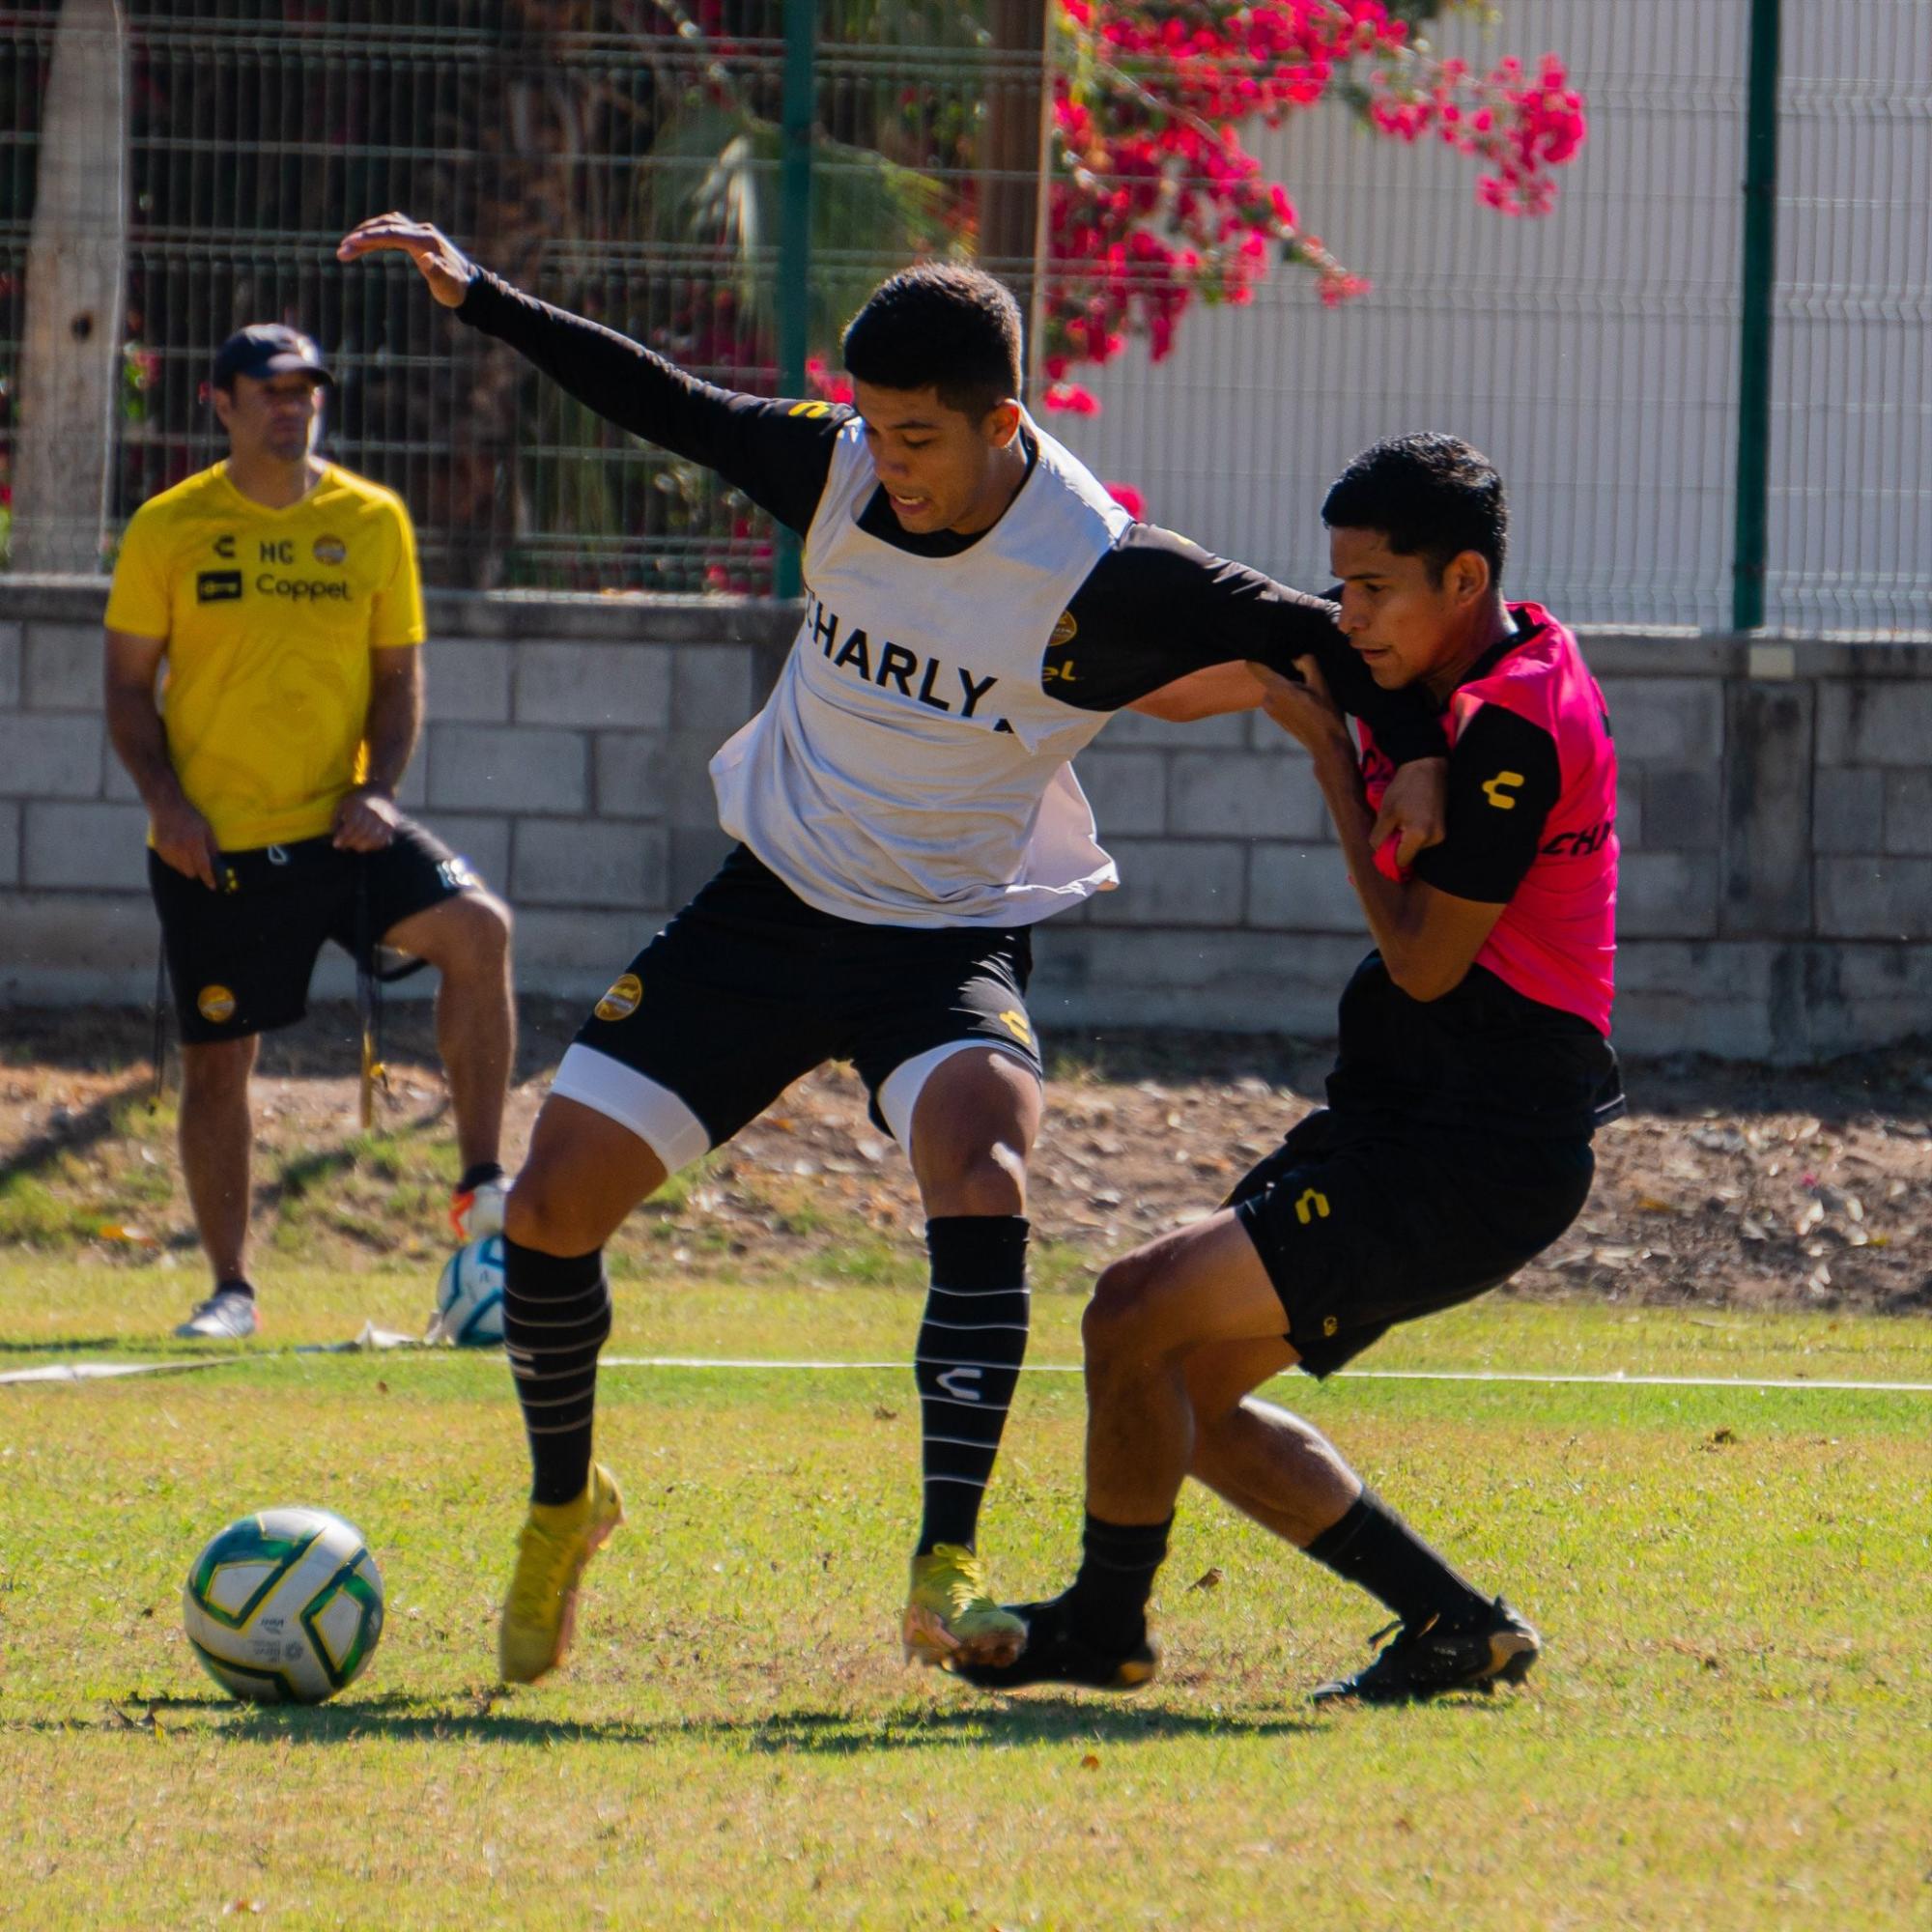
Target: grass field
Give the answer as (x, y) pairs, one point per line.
(1732, 1726)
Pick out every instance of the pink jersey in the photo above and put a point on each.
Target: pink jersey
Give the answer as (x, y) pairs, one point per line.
(1556, 942)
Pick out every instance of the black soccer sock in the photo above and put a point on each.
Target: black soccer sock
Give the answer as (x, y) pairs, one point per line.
(235, 1284)
(556, 1315)
(1373, 1547)
(474, 1178)
(971, 1345)
(1107, 1605)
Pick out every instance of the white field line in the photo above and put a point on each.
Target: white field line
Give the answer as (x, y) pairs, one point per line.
(82, 1371)
(101, 1372)
(1618, 1379)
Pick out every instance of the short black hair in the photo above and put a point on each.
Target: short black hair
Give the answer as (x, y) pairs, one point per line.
(943, 326)
(1430, 496)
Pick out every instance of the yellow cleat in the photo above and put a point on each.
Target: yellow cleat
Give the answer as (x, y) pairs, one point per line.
(558, 1539)
(952, 1615)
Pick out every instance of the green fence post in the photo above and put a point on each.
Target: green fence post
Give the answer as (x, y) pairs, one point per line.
(1748, 568)
(794, 304)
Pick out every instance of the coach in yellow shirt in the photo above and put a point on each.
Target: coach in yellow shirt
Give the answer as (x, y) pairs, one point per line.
(279, 592)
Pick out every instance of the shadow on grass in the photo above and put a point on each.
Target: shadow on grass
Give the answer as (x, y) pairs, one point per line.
(66, 1344)
(75, 1133)
(295, 1180)
(402, 1719)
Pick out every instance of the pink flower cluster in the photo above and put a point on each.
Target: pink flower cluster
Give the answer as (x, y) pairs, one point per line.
(1156, 202)
(1522, 126)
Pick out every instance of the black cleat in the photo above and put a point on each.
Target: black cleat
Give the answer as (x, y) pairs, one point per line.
(1054, 1655)
(1497, 1648)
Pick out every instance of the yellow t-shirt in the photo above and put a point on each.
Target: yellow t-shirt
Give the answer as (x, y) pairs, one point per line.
(270, 617)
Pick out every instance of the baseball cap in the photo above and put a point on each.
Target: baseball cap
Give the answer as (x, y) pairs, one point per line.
(267, 349)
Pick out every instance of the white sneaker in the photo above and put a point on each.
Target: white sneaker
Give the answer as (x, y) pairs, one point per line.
(226, 1316)
(480, 1211)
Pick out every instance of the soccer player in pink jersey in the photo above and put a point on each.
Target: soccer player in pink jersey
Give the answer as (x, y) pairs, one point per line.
(1474, 1064)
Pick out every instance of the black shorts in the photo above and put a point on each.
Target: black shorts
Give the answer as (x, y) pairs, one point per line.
(1366, 1221)
(749, 987)
(240, 956)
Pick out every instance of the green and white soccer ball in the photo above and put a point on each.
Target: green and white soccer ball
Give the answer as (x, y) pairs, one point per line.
(284, 1608)
(469, 1297)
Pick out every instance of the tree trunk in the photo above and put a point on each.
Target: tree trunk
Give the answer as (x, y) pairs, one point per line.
(1011, 157)
(75, 259)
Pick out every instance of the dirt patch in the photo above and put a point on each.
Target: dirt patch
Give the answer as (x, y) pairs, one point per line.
(1728, 1185)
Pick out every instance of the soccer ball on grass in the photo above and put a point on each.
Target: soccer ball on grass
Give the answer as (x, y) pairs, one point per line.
(284, 1606)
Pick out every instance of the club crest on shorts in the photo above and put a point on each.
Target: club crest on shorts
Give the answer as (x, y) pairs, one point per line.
(622, 1000)
(214, 1004)
(1015, 1023)
(1066, 629)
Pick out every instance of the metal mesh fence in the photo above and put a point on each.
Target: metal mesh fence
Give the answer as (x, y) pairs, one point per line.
(625, 158)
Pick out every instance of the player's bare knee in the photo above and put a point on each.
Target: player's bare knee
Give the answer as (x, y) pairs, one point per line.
(975, 1179)
(538, 1214)
(476, 936)
(492, 919)
(1122, 1316)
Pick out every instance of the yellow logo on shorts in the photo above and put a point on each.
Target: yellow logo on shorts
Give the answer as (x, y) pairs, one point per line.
(214, 1004)
(1329, 1325)
(1066, 627)
(1493, 790)
(1015, 1023)
(622, 1000)
(1310, 1199)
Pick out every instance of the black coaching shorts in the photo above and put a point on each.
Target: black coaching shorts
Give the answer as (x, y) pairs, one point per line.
(240, 957)
(749, 987)
(1366, 1221)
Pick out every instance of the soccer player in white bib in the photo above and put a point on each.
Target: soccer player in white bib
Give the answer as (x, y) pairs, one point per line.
(906, 810)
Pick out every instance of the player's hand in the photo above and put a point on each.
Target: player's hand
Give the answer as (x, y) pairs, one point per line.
(445, 266)
(366, 820)
(1305, 710)
(1414, 810)
(186, 841)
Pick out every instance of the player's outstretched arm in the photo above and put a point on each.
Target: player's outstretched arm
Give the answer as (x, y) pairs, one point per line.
(1163, 627)
(779, 453)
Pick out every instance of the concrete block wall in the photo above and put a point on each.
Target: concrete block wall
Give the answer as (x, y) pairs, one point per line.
(1775, 808)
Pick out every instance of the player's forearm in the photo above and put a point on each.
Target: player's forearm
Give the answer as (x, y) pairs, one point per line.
(140, 741)
(1213, 693)
(395, 718)
(1391, 907)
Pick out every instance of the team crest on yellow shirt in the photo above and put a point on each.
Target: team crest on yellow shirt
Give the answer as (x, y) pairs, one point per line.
(215, 1005)
(331, 550)
(622, 1000)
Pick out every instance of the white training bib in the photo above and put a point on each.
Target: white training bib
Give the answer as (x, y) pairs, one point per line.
(908, 769)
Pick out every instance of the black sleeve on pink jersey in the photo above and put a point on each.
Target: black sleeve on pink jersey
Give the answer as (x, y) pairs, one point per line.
(1504, 781)
(777, 453)
(1157, 607)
